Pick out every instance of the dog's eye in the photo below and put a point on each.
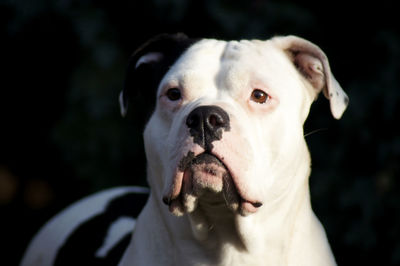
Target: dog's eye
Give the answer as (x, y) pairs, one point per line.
(173, 94)
(259, 96)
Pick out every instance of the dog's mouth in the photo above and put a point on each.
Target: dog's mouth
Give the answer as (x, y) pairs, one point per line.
(205, 178)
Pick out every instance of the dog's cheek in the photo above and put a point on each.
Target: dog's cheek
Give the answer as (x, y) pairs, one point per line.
(264, 143)
(154, 142)
(282, 150)
(168, 108)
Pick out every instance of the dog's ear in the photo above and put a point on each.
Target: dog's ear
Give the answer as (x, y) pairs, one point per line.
(313, 65)
(148, 65)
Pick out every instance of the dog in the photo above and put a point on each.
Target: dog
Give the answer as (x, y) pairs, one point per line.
(228, 165)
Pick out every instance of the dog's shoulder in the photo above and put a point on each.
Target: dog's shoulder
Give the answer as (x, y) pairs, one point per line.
(93, 231)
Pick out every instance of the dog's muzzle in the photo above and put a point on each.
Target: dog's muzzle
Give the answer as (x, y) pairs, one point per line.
(204, 176)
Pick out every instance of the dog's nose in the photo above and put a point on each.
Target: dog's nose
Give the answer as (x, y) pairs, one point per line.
(206, 124)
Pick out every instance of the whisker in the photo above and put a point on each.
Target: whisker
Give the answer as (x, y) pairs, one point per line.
(315, 131)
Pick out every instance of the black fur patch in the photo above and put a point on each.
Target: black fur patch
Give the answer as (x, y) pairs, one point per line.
(81, 246)
(204, 158)
(142, 82)
(184, 163)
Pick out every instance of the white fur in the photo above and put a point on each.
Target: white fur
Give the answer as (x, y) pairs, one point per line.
(265, 151)
(122, 106)
(43, 248)
(149, 58)
(115, 233)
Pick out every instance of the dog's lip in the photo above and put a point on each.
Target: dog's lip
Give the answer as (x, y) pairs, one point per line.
(246, 205)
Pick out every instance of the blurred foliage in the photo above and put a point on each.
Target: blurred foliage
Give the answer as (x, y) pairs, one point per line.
(62, 135)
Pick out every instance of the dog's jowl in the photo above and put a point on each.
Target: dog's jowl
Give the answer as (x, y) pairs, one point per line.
(228, 165)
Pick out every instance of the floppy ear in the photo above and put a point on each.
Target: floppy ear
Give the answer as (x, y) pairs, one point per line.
(313, 65)
(148, 65)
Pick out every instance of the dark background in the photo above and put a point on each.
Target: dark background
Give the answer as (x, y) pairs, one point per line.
(62, 68)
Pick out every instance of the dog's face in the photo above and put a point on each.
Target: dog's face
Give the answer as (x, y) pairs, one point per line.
(227, 129)
(226, 114)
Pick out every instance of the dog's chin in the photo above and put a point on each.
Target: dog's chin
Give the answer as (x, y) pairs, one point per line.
(207, 182)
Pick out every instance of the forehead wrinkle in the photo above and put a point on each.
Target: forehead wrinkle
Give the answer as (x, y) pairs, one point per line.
(203, 55)
(200, 61)
(233, 72)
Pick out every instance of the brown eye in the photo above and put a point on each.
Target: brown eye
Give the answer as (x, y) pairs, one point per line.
(259, 96)
(174, 94)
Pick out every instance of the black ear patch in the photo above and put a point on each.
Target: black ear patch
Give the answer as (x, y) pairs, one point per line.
(142, 80)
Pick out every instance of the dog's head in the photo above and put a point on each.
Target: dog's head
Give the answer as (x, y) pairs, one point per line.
(227, 129)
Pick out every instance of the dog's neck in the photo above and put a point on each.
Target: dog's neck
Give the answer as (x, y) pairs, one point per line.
(232, 239)
(220, 224)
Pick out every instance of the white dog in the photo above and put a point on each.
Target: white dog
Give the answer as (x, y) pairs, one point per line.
(228, 165)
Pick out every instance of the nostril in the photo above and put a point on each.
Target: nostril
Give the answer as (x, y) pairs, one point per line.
(193, 120)
(215, 120)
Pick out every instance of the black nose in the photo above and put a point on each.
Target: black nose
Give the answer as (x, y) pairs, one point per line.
(206, 124)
